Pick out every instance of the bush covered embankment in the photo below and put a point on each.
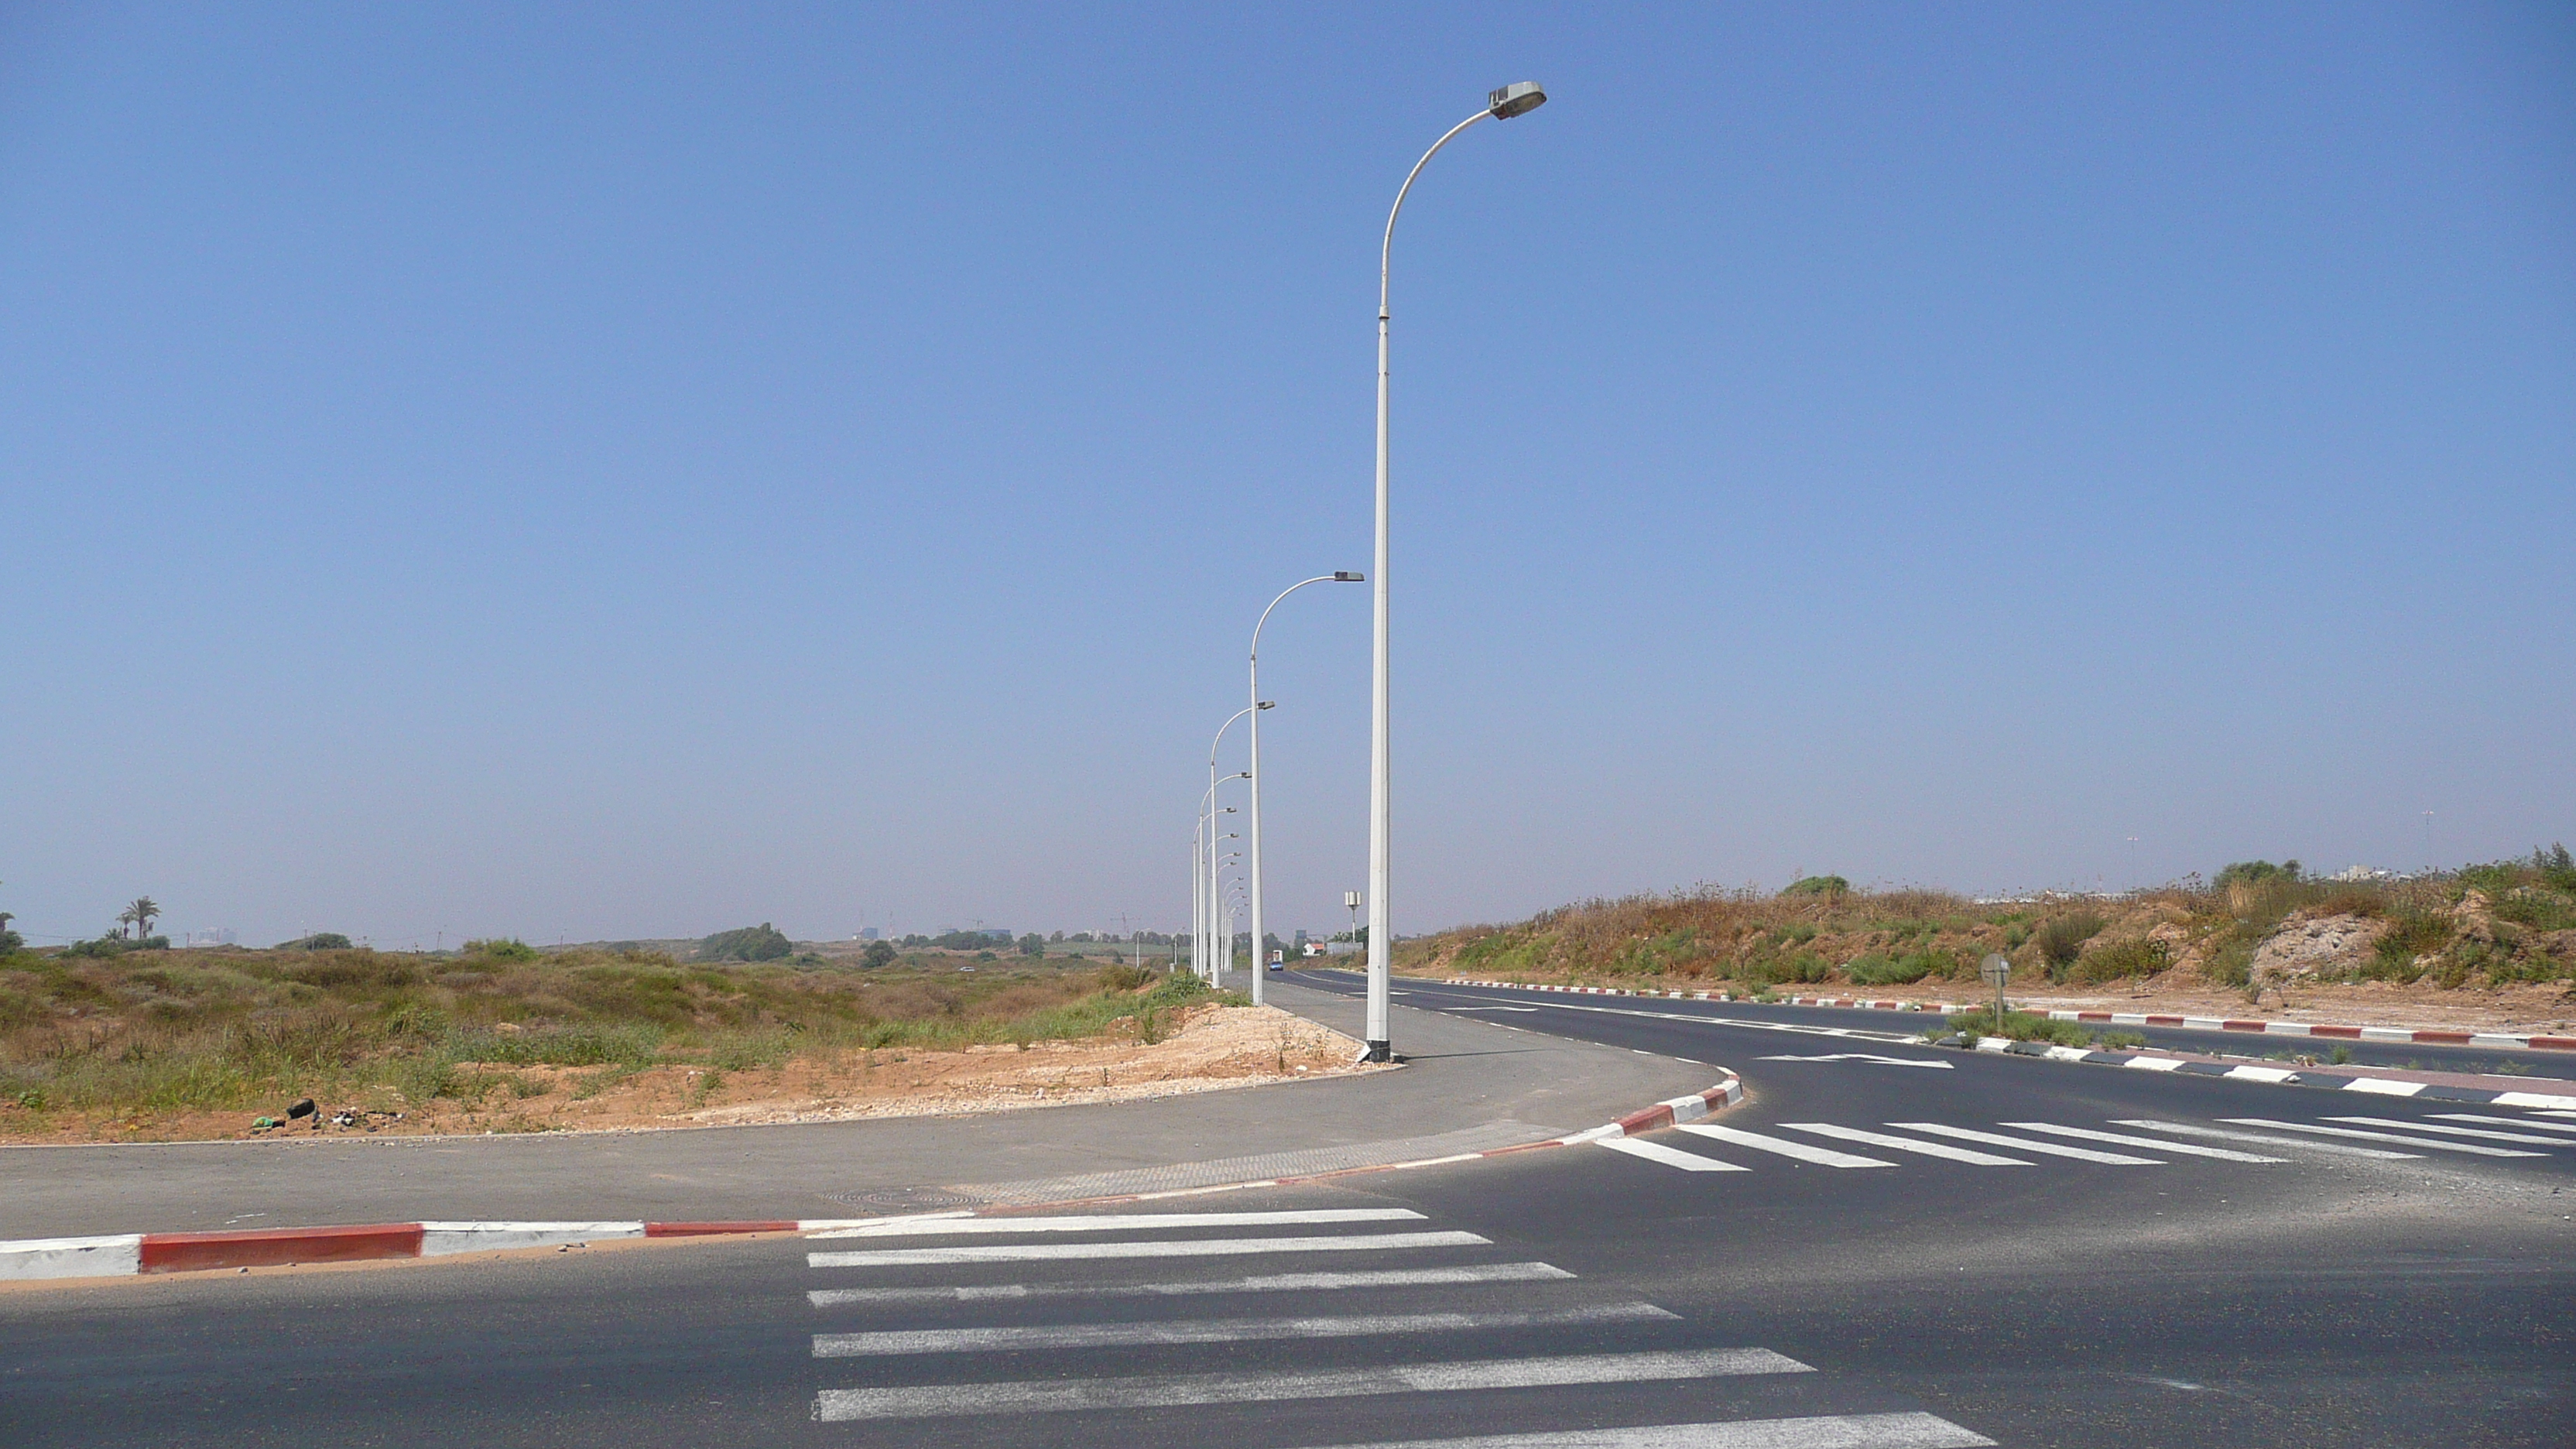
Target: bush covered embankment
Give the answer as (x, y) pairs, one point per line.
(2257, 926)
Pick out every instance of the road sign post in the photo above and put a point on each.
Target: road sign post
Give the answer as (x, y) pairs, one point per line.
(1997, 971)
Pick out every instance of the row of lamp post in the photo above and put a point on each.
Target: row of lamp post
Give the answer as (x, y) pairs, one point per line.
(1213, 934)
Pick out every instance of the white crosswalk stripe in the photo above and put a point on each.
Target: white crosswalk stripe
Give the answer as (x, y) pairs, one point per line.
(1171, 1390)
(2125, 1140)
(1906, 1144)
(1657, 1152)
(1176, 1248)
(2336, 1149)
(1086, 1385)
(2450, 1131)
(2529, 1122)
(1803, 1152)
(1261, 1283)
(2323, 1130)
(1824, 1431)
(1116, 1222)
(1218, 1330)
(2017, 1144)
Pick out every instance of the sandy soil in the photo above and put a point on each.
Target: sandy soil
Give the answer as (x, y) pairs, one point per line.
(2521, 1010)
(1213, 1048)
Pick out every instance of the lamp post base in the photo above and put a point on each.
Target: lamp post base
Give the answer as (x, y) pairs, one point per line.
(1380, 1051)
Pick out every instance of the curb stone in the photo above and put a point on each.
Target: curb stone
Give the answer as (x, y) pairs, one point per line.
(2275, 1076)
(2426, 1037)
(127, 1254)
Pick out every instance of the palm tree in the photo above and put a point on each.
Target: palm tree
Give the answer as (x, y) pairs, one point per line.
(141, 913)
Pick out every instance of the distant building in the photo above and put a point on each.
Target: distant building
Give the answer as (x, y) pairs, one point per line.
(221, 936)
(867, 933)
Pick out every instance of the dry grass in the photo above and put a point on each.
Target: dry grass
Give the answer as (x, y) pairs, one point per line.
(176, 1031)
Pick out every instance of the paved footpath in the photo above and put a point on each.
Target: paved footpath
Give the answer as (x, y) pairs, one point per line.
(1469, 1086)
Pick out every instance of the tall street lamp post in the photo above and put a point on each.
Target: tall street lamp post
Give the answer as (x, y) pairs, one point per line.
(1260, 949)
(1517, 99)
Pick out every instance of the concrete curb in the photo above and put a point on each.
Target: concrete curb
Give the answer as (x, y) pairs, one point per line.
(119, 1255)
(2113, 1018)
(2275, 1076)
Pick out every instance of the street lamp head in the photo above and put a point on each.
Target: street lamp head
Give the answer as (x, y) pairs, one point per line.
(1349, 576)
(1269, 704)
(1517, 99)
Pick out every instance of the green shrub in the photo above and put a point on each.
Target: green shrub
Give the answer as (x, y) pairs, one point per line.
(2256, 873)
(2116, 960)
(1829, 886)
(503, 948)
(318, 941)
(2410, 934)
(763, 942)
(2062, 938)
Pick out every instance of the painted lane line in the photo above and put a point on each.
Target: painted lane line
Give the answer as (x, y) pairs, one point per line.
(1862, 1057)
(923, 1401)
(1906, 1144)
(1829, 1431)
(2048, 1149)
(1262, 1283)
(1200, 1248)
(1820, 1156)
(2531, 1123)
(1123, 1222)
(2123, 1140)
(2448, 1131)
(1667, 1156)
(1062, 1336)
(2194, 1130)
(2469, 1147)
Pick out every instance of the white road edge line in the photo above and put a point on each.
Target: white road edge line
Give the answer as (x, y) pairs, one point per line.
(922, 1401)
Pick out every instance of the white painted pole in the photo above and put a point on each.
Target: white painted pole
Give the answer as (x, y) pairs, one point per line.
(1381, 943)
(1260, 926)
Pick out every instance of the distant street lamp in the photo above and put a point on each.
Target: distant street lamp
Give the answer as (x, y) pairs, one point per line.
(1260, 948)
(1517, 99)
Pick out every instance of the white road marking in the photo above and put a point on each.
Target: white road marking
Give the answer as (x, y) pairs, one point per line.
(2535, 1125)
(1200, 1248)
(2193, 1130)
(1860, 1057)
(1831, 1431)
(921, 1401)
(1821, 1156)
(1907, 1144)
(2381, 1137)
(1060, 1336)
(1262, 1283)
(2050, 1149)
(1119, 1222)
(2124, 1140)
(2448, 1131)
(1668, 1156)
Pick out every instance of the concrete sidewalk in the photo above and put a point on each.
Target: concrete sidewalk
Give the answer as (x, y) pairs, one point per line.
(1469, 1086)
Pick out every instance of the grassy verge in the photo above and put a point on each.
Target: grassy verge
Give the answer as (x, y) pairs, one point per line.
(167, 1031)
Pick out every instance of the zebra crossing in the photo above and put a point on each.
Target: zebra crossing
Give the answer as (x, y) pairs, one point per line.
(2144, 1142)
(1025, 1330)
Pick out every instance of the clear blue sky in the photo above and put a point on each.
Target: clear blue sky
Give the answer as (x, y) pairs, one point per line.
(634, 471)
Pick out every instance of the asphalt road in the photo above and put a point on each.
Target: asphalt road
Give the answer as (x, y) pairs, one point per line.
(1744, 1289)
(2559, 1065)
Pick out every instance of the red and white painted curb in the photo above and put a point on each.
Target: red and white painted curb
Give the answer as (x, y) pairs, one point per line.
(2110, 1018)
(125, 1254)
(121, 1254)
